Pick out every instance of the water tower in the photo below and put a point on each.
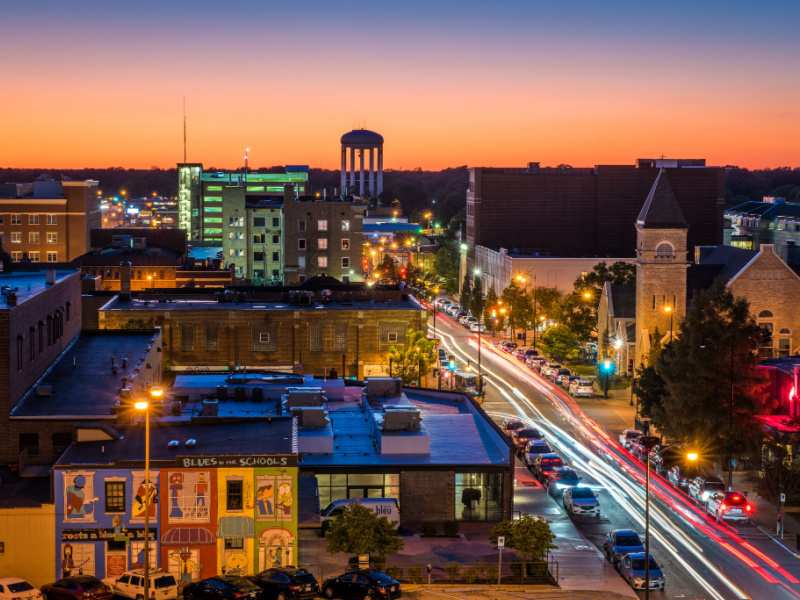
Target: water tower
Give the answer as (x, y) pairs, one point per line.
(359, 141)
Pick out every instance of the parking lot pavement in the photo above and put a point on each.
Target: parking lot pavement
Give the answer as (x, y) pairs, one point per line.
(505, 593)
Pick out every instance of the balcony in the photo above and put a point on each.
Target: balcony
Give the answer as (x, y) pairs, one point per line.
(36, 462)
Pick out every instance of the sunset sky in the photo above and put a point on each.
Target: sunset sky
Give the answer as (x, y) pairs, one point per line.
(447, 83)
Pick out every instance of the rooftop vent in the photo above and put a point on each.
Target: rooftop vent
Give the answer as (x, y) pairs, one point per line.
(191, 443)
(174, 444)
(311, 416)
(401, 419)
(383, 387)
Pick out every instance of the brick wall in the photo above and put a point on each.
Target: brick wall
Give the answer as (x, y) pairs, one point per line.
(427, 496)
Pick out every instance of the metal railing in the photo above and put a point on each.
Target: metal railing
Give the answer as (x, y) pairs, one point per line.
(37, 457)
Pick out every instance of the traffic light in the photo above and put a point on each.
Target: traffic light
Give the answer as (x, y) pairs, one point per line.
(607, 366)
(452, 365)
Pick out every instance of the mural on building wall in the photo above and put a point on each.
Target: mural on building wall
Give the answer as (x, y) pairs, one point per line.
(184, 565)
(189, 496)
(79, 497)
(77, 559)
(143, 495)
(274, 498)
(275, 547)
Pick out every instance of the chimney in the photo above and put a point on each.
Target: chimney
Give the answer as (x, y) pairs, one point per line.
(50, 276)
(125, 280)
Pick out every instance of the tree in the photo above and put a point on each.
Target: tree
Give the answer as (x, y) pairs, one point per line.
(388, 268)
(650, 390)
(416, 357)
(466, 291)
(476, 301)
(560, 343)
(517, 306)
(709, 369)
(547, 302)
(779, 470)
(619, 273)
(490, 305)
(358, 530)
(579, 314)
(655, 347)
(530, 536)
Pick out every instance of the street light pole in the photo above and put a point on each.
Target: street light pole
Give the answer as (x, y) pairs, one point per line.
(669, 310)
(535, 322)
(145, 406)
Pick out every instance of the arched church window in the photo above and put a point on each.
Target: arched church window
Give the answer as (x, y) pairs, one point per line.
(765, 314)
(664, 250)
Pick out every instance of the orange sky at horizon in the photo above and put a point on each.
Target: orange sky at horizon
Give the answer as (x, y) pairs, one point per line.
(445, 89)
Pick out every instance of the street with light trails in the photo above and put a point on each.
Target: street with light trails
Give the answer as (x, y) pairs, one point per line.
(700, 558)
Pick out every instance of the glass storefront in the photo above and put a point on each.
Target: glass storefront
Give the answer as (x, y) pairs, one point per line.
(359, 485)
(479, 497)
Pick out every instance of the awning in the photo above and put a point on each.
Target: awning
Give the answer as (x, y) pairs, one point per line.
(236, 527)
(188, 536)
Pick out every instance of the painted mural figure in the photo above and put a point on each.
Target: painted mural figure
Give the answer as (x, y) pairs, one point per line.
(276, 556)
(201, 488)
(76, 498)
(184, 558)
(264, 500)
(145, 497)
(120, 531)
(284, 503)
(236, 564)
(68, 565)
(175, 486)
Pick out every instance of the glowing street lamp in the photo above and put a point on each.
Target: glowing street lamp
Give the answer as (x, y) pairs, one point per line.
(144, 405)
(668, 309)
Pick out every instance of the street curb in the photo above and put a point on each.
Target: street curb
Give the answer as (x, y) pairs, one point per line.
(777, 541)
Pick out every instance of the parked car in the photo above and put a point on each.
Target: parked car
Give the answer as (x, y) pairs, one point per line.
(229, 587)
(533, 361)
(556, 375)
(581, 387)
(628, 436)
(680, 476)
(361, 584)
(566, 381)
(507, 346)
(519, 353)
(14, 588)
(286, 583)
(561, 478)
(544, 463)
(131, 584)
(729, 505)
(632, 568)
(580, 501)
(637, 450)
(522, 436)
(662, 460)
(702, 487)
(477, 327)
(548, 368)
(621, 542)
(77, 587)
(510, 425)
(531, 353)
(533, 449)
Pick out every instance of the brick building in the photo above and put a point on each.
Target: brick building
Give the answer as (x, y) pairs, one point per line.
(286, 328)
(39, 319)
(585, 212)
(48, 221)
(252, 235)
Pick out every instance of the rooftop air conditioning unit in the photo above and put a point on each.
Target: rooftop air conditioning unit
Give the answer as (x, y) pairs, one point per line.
(384, 387)
(311, 416)
(210, 408)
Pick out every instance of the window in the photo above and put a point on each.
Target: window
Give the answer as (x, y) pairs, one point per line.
(61, 439)
(16, 219)
(391, 333)
(29, 442)
(276, 221)
(34, 256)
(16, 256)
(259, 221)
(322, 243)
(236, 221)
(260, 238)
(115, 496)
(665, 250)
(234, 495)
(212, 337)
(345, 225)
(315, 337)
(345, 262)
(234, 544)
(259, 256)
(340, 338)
(301, 244)
(301, 225)
(33, 237)
(322, 262)
(345, 244)
(51, 220)
(236, 235)
(392, 337)
(276, 273)
(52, 238)
(213, 209)
(16, 237)
(52, 257)
(33, 219)
(276, 239)
(478, 496)
(187, 338)
(258, 273)
(264, 338)
(276, 257)
(322, 225)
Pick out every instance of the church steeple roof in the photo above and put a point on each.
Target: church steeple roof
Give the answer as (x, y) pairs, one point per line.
(661, 209)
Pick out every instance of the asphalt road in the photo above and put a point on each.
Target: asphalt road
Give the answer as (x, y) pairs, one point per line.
(701, 559)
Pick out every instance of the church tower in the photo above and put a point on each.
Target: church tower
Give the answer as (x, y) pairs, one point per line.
(660, 267)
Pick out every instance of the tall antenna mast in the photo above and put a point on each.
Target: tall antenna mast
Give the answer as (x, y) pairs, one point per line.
(184, 129)
(246, 153)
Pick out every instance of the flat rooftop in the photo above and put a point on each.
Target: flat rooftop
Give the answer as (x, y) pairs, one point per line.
(459, 435)
(83, 385)
(233, 438)
(26, 284)
(210, 304)
(23, 492)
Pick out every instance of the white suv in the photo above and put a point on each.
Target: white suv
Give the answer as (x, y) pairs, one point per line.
(131, 585)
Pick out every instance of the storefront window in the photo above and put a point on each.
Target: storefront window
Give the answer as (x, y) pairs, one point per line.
(360, 485)
(479, 496)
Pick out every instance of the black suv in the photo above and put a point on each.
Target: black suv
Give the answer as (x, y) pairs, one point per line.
(364, 584)
(285, 583)
(222, 587)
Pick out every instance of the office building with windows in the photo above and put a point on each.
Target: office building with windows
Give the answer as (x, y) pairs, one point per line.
(252, 236)
(201, 197)
(48, 221)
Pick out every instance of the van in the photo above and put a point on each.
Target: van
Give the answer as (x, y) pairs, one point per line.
(383, 507)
